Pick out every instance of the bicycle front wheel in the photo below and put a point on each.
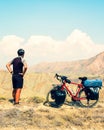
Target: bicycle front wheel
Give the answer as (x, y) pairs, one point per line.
(84, 101)
(49, 99)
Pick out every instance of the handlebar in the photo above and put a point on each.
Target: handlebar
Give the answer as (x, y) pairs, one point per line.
(62, 78)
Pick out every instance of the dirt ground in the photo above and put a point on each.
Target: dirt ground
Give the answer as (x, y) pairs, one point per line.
(36, 116)
(33, 115)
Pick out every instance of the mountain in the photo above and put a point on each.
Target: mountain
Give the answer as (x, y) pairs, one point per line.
(89, 66)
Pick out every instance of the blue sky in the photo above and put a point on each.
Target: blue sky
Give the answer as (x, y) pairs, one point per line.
(51, 30)
(55, 18)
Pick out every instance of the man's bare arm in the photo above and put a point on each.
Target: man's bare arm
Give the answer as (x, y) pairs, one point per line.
(24, 69)
(8, 66)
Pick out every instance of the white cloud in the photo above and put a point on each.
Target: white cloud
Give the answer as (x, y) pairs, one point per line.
(9, 44)
(8, 47)
(43, 48)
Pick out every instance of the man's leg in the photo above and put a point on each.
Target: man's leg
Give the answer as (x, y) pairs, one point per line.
(19, 84)
(14, 94)
(17, 96)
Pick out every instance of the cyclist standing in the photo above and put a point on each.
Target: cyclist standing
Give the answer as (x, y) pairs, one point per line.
(18, 71)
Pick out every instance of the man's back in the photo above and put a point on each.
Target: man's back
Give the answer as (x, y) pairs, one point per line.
(17, 65)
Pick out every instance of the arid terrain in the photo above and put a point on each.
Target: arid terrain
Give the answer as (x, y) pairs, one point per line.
(36, 116)
(32, 114)
(93, 66)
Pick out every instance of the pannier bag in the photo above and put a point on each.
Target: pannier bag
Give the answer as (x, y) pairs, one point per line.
(93, 83)
(53, 91)
(58, 95)
(92, 93)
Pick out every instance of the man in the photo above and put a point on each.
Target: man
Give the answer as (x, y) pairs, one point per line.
(18, 71)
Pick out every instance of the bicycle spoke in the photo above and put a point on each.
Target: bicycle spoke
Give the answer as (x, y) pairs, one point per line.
(85, 102)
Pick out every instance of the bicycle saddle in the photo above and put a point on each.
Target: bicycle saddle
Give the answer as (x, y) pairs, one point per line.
(83, 78)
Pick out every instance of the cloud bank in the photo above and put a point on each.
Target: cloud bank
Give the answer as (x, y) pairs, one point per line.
(76, 46)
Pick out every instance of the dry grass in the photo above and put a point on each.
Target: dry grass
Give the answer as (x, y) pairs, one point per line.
(32, 114)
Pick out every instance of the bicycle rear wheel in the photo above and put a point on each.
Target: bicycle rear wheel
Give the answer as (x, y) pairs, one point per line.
(84, 101)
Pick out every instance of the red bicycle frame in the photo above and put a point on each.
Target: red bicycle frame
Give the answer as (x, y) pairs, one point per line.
(74, 96)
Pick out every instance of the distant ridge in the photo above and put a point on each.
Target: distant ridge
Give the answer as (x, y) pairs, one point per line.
(90, 66)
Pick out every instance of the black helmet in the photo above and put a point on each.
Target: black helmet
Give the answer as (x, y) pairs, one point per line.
(20, 52)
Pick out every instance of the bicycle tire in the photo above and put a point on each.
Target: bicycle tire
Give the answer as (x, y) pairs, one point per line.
(51, 101)
(48, 100)
(86, 102)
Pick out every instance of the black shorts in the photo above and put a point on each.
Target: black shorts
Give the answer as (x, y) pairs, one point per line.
(17, 81)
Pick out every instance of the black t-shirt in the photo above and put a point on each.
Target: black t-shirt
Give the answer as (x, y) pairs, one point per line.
(17, 65)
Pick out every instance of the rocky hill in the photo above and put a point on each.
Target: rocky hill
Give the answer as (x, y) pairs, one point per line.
(32, 114)
(89, 66)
